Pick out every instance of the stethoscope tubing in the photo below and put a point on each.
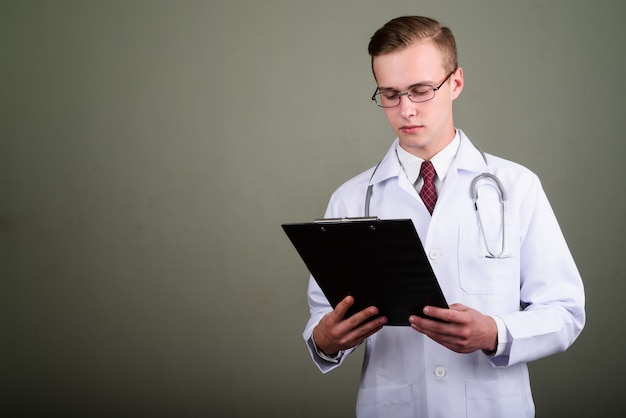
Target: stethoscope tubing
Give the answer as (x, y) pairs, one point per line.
(474, 195)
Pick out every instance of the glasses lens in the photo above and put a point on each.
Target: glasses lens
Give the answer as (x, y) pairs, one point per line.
(387, 99)
(416, 94)
(420, 94)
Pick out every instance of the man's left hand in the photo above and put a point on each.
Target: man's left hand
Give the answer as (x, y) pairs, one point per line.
(464, 330)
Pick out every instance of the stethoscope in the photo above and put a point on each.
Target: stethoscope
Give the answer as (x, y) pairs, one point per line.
(503, 197)
(474, 195)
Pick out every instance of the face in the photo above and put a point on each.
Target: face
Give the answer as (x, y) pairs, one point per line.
(424, 128)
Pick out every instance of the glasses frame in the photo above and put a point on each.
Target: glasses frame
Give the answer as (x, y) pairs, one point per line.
(408, 94)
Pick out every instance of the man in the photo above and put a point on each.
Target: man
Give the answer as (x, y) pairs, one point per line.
(515, 292)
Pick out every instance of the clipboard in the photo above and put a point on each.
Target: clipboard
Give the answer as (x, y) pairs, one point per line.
(380, 263)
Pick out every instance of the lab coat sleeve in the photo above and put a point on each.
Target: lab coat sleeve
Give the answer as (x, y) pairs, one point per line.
(552, 301)
(319, 307)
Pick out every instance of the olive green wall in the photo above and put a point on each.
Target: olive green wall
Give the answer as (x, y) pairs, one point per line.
(150, 150)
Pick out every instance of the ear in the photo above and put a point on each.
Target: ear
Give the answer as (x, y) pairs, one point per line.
(457, 83)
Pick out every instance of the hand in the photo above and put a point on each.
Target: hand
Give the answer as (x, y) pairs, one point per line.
(465, 330)
(335, 333)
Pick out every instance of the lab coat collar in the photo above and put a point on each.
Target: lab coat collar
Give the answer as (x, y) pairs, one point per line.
(469, 158)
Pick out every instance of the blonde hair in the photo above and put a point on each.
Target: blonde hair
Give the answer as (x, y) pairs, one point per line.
(403, 31)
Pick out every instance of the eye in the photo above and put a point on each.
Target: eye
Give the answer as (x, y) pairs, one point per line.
(420, 91)
(389, 94)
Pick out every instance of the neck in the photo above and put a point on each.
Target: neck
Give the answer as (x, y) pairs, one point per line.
(428, 151)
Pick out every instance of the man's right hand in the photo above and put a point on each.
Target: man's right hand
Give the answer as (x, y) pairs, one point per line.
(335, 333)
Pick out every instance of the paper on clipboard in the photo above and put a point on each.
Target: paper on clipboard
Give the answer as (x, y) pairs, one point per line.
(379, 262)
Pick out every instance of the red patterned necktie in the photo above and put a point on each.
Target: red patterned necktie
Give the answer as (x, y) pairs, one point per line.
(428, 192)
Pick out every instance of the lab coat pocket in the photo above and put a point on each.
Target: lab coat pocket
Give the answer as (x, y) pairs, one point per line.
(385, 401)
(488, 258)
(497, 399)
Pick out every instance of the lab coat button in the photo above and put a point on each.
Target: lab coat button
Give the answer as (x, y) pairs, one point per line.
(440, 371)
(434, 254)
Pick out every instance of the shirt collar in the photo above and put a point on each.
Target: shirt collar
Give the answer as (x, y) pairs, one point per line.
(441, 161)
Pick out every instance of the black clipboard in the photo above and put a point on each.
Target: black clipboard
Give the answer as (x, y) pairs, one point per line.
(380, 263)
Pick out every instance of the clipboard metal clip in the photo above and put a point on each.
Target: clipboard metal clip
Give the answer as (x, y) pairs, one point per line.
(354, 219)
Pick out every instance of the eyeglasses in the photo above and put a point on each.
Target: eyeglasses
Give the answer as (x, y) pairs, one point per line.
(417, 94)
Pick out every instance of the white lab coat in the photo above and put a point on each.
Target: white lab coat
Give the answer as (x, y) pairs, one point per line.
(537, 292)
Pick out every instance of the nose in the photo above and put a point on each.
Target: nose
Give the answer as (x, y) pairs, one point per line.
(407, 108)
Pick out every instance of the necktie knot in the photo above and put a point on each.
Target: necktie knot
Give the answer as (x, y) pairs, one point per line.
(428, 193)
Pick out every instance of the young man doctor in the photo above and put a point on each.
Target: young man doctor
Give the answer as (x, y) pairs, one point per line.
(515, 292)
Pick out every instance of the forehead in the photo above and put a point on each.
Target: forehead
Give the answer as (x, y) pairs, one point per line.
(421, 62)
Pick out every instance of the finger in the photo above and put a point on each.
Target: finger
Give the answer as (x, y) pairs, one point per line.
(435, 330)
(434, 325)
(356, 319)
(374, 330)
(447, 315)
(424, 325)
(342, 308)
(358, 335)
(369, 324)
(362, 317)
(458, 307)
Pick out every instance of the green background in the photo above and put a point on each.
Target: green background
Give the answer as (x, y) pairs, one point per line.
(150, 150)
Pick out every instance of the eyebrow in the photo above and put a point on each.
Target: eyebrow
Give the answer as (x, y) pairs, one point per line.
(423, 83)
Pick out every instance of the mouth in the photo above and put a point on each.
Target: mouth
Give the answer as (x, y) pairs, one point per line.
(411, 129)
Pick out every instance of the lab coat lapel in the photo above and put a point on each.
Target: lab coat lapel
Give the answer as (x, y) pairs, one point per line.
(468, 161)
(388, 167)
